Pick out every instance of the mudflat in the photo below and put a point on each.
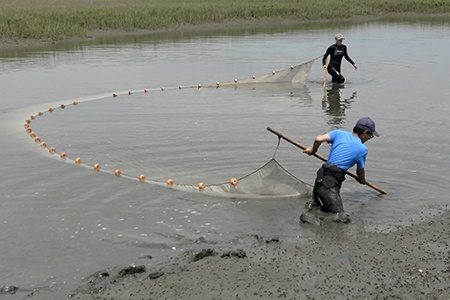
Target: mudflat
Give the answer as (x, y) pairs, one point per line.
(412, 262)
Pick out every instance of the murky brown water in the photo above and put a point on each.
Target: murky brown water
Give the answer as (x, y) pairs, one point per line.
(61, 223)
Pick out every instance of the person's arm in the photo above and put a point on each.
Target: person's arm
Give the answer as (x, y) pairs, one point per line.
(347, 57)
(324, 58)
(316, 144)
(361, 175)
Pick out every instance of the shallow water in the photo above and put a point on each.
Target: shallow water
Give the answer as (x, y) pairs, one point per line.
(62, 222)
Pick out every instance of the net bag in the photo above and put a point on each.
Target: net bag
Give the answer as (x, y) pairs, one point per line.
(269, 181)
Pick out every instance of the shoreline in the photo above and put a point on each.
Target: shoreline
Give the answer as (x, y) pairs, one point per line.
(410, 263)
(98, 35)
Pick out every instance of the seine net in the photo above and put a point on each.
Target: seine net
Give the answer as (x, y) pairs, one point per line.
(269, 181)
(293, 74)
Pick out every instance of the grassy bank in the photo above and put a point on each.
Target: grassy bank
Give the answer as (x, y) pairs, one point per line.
(58, 19)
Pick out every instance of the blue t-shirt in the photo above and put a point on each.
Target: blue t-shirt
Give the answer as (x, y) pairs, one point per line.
(346, 150)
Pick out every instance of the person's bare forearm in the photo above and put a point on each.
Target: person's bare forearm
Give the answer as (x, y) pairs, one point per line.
(361, 175)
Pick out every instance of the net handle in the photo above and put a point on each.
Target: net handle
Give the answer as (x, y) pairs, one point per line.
(281, 136)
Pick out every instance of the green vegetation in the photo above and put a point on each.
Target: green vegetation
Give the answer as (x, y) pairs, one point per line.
(58, 19)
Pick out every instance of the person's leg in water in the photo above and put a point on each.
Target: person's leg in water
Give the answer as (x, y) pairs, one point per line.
(331, 202)
(326, 199)
(330, 199)
(313, 213)
(335, 73)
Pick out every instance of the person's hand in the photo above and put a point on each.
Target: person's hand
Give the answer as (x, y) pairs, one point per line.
(362, 181)
(308, 150)
(355, 66)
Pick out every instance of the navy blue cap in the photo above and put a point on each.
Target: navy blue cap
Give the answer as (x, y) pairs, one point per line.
(367, 123)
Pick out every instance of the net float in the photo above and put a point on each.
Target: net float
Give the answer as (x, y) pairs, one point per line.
(233, 181)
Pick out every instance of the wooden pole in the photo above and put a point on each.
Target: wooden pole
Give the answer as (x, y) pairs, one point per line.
(324, 99)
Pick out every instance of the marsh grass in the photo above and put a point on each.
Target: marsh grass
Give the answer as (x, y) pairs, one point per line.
(58, 19)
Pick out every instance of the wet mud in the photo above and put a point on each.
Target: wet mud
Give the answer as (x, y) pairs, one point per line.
(409, 263)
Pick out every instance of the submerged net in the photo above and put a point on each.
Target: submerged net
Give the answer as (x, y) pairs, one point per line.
(269, 181)
(293, 74)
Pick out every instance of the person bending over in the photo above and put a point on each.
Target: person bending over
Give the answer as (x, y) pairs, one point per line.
(347, 149)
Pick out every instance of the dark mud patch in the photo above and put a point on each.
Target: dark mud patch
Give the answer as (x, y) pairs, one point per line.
(412, 262)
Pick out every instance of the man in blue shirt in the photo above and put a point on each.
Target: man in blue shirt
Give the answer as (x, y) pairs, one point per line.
(347, 149)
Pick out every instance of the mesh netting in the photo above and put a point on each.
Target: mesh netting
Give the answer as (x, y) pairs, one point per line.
(269, 181)
(294, 74)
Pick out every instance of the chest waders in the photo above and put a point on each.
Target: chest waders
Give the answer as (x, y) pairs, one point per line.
(327, 188)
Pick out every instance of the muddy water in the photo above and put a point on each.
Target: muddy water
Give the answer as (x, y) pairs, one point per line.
(62, 222)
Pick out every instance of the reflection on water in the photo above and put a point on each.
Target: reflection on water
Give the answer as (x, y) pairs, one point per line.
(334, 106)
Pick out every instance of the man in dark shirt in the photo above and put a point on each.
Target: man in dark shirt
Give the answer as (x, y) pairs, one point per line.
(336, 52)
